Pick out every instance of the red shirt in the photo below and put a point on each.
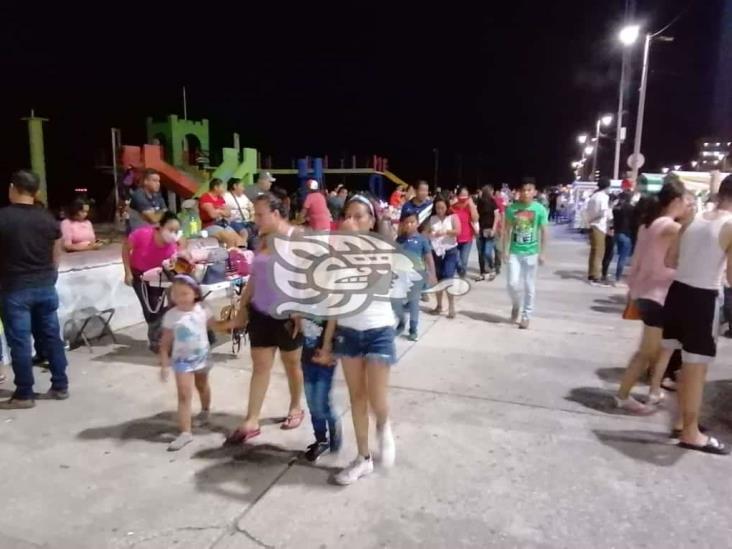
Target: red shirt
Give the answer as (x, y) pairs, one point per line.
(317, 211)
(466, 228)
(208, 198)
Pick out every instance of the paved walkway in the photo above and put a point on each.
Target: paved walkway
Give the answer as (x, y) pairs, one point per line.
(505, 438)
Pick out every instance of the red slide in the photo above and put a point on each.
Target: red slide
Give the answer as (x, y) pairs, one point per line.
(149, 156)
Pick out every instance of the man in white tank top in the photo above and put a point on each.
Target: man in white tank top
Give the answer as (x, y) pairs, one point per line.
(691, 313)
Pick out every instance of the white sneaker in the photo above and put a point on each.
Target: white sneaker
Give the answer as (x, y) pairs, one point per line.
(182, 440)
(632, 406)
(387, 447)
(656, 399)
(359, 467)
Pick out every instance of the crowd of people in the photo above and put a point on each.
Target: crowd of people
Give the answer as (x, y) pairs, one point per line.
(674, 277)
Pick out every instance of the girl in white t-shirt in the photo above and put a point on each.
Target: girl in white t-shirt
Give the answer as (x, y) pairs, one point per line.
(365, 344)
(184, 345)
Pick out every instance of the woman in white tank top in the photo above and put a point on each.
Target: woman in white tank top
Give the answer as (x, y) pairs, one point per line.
(443, 229)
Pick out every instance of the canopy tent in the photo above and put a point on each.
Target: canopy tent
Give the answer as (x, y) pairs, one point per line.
(696, 182)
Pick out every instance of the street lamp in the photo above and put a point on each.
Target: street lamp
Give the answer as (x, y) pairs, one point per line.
(694, 164)
(604, 120)
(664, 170)
(642, 97)
(582, 139)
(677, 167)
(628, 36)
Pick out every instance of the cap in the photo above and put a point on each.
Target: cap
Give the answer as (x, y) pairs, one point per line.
(265, 176)
(188, 280)
(312, 185)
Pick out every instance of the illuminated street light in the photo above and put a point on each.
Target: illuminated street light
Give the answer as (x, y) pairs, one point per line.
(607, 119)
(604, 120)
(664, 170)
(694, 163)
(582, 138)
(588, 150)
(629, 34)
(677, 167)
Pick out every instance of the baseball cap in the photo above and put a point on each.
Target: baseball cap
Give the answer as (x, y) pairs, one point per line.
(265, 176)
(312, 185)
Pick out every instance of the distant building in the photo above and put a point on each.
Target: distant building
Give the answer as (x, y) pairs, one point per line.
(713, 154)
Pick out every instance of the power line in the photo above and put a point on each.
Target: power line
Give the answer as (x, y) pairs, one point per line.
(674, 20)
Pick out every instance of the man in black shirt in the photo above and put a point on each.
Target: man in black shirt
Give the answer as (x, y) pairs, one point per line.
(488, 220)
(30, 247)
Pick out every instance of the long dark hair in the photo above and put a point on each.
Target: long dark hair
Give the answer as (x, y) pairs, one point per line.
(441, 198)
(75, 207)
(672, 189)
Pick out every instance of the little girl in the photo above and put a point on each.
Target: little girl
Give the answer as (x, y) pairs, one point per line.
(184, 346)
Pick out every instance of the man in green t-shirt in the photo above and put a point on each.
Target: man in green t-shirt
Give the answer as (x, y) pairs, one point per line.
(524, 243)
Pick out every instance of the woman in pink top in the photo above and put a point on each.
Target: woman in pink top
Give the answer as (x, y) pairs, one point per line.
(315, 209)
(649, 280)
(77, 231)
(467, 212)
(147, 248)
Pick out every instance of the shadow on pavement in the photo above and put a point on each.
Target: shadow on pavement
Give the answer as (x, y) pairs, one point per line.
(571, 275)
(594, 398)
(649, 446)
(155, 428)
(485, 317)
(135, 351)
(610, 374)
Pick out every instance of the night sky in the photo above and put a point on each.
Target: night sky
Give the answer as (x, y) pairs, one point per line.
(501, 90)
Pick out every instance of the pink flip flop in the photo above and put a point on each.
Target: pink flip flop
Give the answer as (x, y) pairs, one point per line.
(293, 421)
(240, 436)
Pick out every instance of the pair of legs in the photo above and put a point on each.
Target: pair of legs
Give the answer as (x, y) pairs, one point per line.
(647, 354)
(624, 246)
(33, 311)
(446, 266)
(607, 257)
(464, 251)
(262, 363)
(184, 382)
(597, 252)
(226, 236)
(486, 254)
(522, 270)
(318, 386)
(367, 382)
(412, 304)
(152, 301)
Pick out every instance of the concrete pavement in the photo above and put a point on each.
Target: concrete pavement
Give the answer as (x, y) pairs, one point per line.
(505, 438)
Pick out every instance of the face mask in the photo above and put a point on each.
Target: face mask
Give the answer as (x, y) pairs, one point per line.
(463, 199)
(170, 237)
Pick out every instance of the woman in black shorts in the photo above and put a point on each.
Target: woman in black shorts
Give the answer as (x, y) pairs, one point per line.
(267, 330)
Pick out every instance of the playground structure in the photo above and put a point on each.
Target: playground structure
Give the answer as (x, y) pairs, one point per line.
(179, 150)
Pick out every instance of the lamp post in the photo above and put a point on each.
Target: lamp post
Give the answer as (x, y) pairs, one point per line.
(642, 98)
(605, 120)
(627, 36)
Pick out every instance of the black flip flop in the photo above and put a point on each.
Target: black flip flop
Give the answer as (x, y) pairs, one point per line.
(676, 433)
(713, 446)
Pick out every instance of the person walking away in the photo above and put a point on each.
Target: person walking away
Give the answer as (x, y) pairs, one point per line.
(443, 228)
(30, 247)
(267, 332)
(598, 211)
(467, 213)
(146, 203)
(500, 199)
(315, 209)
(184, 346)
(148, 248)
(262, 186)
(241, 208)
(337, 202)
(623, 231)
(215, 216)
(649, 280)
(607, 257)
(365, 344)
(419, 250)
(700, 253)
(525, 242)
(489, 219)
(318, 370)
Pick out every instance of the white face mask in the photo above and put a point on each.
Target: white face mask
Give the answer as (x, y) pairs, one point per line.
(170, 237)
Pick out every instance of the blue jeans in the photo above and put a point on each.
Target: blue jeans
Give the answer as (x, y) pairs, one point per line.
(625, 247)
(318, 383)
(464, 250)
(522, 271)
(486, 252)
(26, 311)
(412, 303)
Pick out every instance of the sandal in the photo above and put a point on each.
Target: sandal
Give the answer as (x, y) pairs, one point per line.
(713, 446)
(451, 314)
(668, 384)
(240, 436)
(436, 311)
(676, 433)
(480, 278)
(293, 421)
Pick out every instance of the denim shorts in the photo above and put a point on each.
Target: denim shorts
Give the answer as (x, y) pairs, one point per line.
(375, 345)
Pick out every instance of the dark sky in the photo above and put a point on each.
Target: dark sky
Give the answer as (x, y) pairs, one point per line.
(501, 90)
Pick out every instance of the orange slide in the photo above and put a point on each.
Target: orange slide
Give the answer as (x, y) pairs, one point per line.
(150, 156)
